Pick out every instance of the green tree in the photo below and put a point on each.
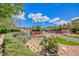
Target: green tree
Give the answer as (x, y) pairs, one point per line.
(75, 26)
(54, 28)
(37, 27)
(8, 9)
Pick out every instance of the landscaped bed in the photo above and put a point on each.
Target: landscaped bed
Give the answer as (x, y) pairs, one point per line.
(65, 42)
(72, 35)
(76, 37)
(15, 47)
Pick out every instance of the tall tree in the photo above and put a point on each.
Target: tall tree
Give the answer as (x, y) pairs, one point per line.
(8, 9)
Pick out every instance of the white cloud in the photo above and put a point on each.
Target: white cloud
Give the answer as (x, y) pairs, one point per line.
(58, 21)
(38, 17)
(61, 22)
(75, 18)
(55, 19)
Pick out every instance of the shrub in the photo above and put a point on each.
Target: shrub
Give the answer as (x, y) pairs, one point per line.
(15, 47)
(77, 32)
(5, 30)
(23, 37)
(50, 46)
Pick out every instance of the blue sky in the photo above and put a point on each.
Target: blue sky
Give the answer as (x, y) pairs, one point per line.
(48, 14)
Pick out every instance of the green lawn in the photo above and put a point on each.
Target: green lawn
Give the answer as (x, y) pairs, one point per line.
(65, 42)
(14, 47)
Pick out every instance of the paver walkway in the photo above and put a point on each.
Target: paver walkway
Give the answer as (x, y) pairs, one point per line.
(34, 44)
(65, 50)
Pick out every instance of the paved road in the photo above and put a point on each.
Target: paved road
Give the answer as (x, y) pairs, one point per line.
(67, 38)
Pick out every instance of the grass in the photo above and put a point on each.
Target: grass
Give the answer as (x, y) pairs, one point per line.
(65, 42)
(14, 47)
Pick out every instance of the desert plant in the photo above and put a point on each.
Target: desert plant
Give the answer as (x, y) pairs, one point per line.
(50, 46)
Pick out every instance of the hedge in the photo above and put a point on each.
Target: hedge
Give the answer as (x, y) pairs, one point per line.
(4, 30)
